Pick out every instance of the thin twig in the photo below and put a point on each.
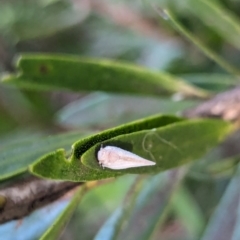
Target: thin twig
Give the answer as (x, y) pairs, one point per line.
(29, 194)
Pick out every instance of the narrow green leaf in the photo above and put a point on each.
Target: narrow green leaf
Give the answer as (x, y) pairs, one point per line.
(48, 72)
(107, 230)
(236, 231)
(124, 108)
(218, 17)
(127, 207)
(116, 223)
(169, 146)
(56, 166)
(15, 158)
(58, 225)
(205, 49)
(224, 168)
(224, 221)
(149, 209)
(212, 167)
(45, 19)
(214, 82)
(97, 205)
(188, 211)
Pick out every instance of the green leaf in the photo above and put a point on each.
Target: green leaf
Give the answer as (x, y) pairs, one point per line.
(124, 211)
(224, 223)
(102, 201)
(214, 82)
(124, 108)
(55, 165)
(224, 168)
(150, 204)
(45, 19)
(218, 17)
(15, 158)
(201, 46)
(49, 72)
(188, 212)
(169, 146)
(57, 226)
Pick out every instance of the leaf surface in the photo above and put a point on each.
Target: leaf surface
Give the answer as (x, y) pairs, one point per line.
(51, 72)
(164, 139)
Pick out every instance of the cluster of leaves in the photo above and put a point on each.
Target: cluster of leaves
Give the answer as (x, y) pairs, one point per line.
(153, 202)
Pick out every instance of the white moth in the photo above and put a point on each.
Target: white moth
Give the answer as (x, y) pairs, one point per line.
(117, 158)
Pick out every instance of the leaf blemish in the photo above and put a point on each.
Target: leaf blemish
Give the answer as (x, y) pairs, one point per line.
(43, 69)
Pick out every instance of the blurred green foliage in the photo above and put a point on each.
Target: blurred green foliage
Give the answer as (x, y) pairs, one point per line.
(191, 203)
